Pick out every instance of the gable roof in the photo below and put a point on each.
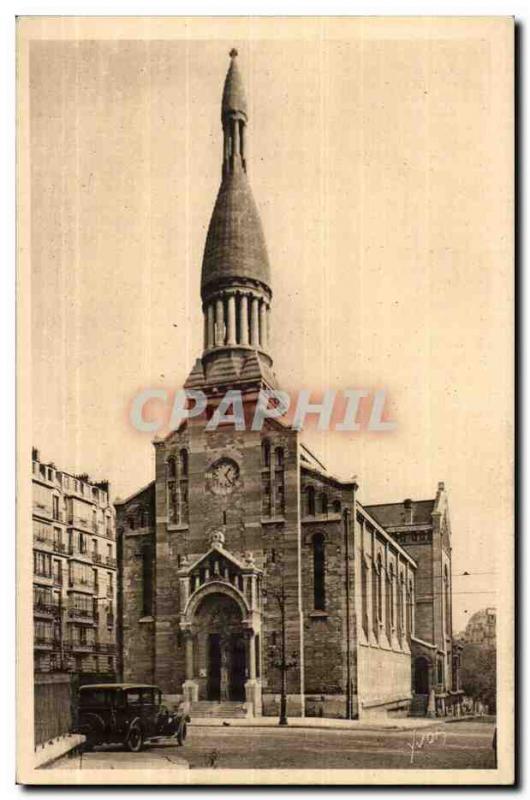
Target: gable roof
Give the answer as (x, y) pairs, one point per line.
(407, 512)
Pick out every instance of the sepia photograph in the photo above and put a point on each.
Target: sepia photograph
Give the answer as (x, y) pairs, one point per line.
(265, 441)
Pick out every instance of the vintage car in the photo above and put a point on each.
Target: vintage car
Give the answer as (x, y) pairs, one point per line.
(127, 713)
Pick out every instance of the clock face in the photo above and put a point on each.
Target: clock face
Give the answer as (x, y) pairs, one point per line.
(223, 476)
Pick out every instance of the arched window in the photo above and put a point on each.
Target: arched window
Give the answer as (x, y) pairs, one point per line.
(171, 470)
(324, 503)
(446, 600)
(310, 492)
(364, 595)
(279, 456)
(336, 506)
(183, 459)
(390, 620)
(377, 601)
(142, 518)
(400, 606)
(131, 523)
(279, 482)
(319, 572)
(409, 610)
(265, 453)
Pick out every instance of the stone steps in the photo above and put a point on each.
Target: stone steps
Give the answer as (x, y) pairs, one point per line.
(227, 709)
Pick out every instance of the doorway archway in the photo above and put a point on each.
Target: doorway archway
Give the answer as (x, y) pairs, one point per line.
(221, 651)
(421, 675)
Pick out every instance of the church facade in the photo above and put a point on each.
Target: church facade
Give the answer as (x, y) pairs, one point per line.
(247, 570)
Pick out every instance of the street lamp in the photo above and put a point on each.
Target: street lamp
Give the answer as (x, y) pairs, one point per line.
(284, 664)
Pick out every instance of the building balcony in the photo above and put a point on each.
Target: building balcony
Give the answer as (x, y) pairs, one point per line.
(43, 577)
(80, 555)
(42, 510)
(43, 542)
(110, 561)
(81, 615)
(46, 609)
(106, 647)
(80, 584)
(46, 643)
(83, 647)
(97, 558)
(60, 548)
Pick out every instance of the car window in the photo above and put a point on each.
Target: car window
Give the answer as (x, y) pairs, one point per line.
(147, 697)
(93, 697)
(133, 697)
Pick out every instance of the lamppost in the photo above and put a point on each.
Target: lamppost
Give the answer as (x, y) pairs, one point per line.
(283, 664)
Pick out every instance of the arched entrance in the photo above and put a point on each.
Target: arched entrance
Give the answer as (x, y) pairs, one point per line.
(221, 648)
(421, 675)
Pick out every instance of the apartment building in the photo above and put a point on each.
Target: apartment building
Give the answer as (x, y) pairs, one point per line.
(74, 572)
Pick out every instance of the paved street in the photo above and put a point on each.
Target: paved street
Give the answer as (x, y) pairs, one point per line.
(460, 745)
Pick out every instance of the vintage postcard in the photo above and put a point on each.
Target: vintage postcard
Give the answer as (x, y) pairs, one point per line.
(265, 400)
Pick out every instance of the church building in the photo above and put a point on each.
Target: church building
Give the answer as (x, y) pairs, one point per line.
(247, 570)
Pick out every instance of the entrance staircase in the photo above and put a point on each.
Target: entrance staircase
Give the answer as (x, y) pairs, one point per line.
(227, 709)
(418, 705)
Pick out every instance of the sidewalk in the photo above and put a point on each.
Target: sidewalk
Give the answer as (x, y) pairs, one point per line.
(385, 724)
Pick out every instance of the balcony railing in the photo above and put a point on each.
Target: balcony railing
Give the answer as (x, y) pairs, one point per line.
(59, 547)
(83, 647)
(81, 613)
(97, 558)
(83, 583)
(45, 641)
(110, 591)
(54, 609)
(110, 561)
(58, 580)
(42, 540)
(106, 647)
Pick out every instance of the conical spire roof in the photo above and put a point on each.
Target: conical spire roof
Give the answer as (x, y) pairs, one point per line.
(235, 244)
(234, 99)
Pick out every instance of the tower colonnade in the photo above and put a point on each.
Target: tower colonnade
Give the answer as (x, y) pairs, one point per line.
(239, 318)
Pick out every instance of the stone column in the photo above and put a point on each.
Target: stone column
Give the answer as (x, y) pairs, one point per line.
(231, 329)
(263, 325)
(190, 688)
(219, 323)
(251, 656)
(243, 319)
(189, 657)
(210, 326)
(254, 322)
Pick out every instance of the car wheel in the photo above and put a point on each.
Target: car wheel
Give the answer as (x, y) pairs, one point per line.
(135, 739)
(182, 733)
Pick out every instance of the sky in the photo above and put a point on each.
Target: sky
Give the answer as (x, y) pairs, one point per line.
(380, 160)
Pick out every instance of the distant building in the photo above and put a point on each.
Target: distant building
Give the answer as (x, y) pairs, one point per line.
(74, 573)
(481, 628)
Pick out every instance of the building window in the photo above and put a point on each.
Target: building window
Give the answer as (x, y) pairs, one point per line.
(364, 595)
(279, 483)
(409, 610)
(336, 506)
(447, 607)
(265, 453)
(400, 607)
(319, 572)
(147, 582)
(178, 507)
(310, 497)
(183, 463)
(377, 588)
(324, 503)
(42, 565)
(55, 501)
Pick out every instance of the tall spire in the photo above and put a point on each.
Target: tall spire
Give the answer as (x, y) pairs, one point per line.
(235, 280)
(234, 118)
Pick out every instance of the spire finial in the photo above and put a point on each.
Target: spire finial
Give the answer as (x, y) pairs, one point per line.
(233, 53)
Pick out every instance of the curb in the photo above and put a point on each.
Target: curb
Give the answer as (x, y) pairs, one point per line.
(57, 748)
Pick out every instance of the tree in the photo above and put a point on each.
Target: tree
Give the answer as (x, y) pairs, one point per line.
(479, 673)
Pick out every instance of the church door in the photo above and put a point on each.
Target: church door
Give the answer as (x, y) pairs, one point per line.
(214, 667)
(237, 670)
(421, 676)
